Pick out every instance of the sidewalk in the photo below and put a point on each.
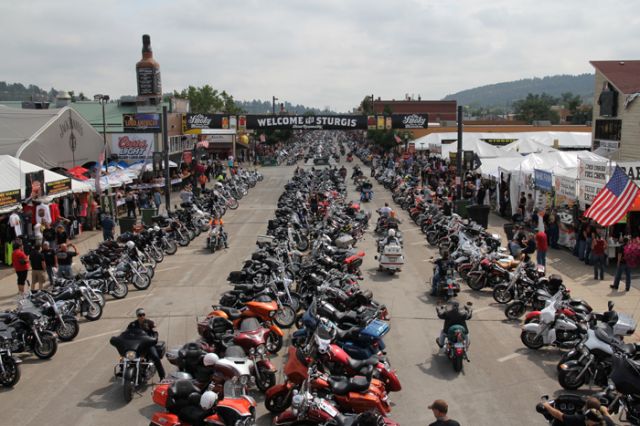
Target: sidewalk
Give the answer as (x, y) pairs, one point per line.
(578, 277)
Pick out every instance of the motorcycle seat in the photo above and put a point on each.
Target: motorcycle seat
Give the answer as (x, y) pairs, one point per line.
(232, 313)
(7, 316)
(343, 385)
(628, 348)
(97, 273)
(181, 394)
(357, 364)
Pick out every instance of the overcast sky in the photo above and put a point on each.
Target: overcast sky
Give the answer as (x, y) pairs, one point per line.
(315, 52)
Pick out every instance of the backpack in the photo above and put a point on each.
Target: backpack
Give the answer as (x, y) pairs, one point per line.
(632, 254)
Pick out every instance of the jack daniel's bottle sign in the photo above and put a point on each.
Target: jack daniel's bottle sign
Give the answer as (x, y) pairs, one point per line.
(148, 71)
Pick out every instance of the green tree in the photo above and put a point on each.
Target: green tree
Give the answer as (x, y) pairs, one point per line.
(207, 100)
(387, 110)
(366, 106)
(536, 108)
(385, 139)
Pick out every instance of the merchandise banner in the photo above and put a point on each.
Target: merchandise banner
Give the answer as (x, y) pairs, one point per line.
(34, 184)
(593, 177)
(141, 123)
(58, 186)
(9, 198)
(543, 180)
(631, 169)
(588, 192)
(132, 146)
(565, 187)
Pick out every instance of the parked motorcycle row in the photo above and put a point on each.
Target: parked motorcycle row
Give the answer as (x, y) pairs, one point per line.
(336, 370)
(44, 318)
(143, 251)
(593, 349)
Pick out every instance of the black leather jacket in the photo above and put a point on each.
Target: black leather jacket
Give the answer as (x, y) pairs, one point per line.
(454, 317)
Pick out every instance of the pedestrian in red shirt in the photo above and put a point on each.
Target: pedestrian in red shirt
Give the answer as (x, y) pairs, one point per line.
(20, 262)
(541, 246)
(598, 250)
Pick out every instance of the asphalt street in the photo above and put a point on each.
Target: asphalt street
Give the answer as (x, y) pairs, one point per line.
(500, 386)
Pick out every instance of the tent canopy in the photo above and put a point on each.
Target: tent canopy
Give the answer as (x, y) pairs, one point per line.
(48, 138)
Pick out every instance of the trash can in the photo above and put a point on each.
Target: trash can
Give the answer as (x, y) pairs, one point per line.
(147, 215)
(126, 224)
(461, 208)
(508, 230)
(479, 213)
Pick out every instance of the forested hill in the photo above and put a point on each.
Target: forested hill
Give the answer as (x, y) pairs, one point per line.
(505, 94)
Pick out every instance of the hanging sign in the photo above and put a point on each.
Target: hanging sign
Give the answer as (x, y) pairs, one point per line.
(132, 146)
(58, 186)
(631, 169)
(410, 121)
(141, 122)
(588, 192)
(565, 187)
(593, 171)
(34, 184)
(9, 198)
(543, 180)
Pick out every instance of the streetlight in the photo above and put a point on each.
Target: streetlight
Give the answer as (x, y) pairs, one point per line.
(103, 99)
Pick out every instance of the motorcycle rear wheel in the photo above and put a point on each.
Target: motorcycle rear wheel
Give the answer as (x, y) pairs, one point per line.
(11, 374)
(457, 364)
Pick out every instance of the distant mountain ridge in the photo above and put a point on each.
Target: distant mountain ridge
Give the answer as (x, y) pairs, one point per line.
(506, 93)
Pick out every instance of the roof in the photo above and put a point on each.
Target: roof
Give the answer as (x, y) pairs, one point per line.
(624, 75)
(19, 125)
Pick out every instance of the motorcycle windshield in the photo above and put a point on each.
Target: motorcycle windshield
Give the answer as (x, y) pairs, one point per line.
(131, 341)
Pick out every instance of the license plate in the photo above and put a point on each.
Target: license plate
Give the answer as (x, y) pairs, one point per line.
(458, 345)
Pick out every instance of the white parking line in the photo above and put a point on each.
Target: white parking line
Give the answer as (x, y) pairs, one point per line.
(128, 298)
(168, 269)
(418, 243)
(84, 339)
(508, 357)
(486, 308)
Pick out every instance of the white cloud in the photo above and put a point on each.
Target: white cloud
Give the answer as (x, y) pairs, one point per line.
(316, 52)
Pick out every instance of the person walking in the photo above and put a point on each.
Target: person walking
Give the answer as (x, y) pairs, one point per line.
(622, 267)
(20, 262)
(598, 250)
(61, 235)
(440, 410)
(157, 199)
(542, 246)
(130, 202)
(108, 225)
(37, 268)
(50, 260)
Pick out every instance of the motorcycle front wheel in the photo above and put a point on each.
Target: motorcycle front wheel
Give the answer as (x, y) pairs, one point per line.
(120, 290)
(232, 203)
(129, 386)
(47, 347)
(141, 282)
(515, 310)
(285, 317)
(266, 380)
(273, 342)
(569, 380)
(11, 374)
(530, 340)
(69, 330)
(170, 248)
(278, 402)
(502, 294)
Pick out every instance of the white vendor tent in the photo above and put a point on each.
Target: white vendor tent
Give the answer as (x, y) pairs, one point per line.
(48, 138)
(527, 146)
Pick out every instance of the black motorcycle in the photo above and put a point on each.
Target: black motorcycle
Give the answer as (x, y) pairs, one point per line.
(9, 364)
(80, 299)
(133, 366)
(30, 334)
(65, 325)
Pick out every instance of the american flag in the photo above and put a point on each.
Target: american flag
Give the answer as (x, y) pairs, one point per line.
(614, 200)
(398, 140)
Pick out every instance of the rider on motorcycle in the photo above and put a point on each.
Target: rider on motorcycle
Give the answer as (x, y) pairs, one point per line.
(195, 415)
(149, 327)
(453, 315)
(343, 172)
(440, 272)
(389, 239)
(215, 221)
(356, 172)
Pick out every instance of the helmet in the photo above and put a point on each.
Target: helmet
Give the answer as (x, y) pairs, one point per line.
(210, 359)
(218, 185)
(131, 245)
(208, 400)
(392, 232)
(156, 228)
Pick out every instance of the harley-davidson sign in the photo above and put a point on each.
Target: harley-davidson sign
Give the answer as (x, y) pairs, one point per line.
(132, 146)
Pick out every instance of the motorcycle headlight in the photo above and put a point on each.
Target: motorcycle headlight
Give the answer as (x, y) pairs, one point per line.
(261, 350)
(130, 355)
(297, 401)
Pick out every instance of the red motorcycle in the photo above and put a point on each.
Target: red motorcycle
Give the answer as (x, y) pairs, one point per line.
(249, 334)
(307, 408)
(236, 408)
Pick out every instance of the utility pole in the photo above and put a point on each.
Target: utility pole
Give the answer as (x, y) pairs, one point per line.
(273, 105)
(165, 149)
(459, 154)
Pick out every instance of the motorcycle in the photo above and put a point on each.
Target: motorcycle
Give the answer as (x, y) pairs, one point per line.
(456, 344)
(214, 239)
(133, 367)
(391, 258)
(30, 333)
(9, 364)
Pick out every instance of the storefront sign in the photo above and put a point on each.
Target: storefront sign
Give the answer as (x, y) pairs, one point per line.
(543, 180)
(141, 122)
(34, 184)
(242, 122)
(58, 186)
(566, 187)
(380, 122)
(593, 171)
(588, 192)
(132, 146)
(202, 121)
(410, 121)
(631, 169)
(9, 198)
(371, 122)
(311, 122)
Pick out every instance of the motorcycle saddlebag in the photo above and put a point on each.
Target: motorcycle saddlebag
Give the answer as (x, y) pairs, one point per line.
(237, 276)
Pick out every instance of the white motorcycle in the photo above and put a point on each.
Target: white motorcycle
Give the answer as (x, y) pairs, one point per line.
(391, 257)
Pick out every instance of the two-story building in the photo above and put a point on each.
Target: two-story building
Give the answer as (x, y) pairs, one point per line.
(616, 110)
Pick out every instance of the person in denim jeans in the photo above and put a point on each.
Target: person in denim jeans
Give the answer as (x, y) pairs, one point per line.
(622, 267)
(588, 242)
(598, 250)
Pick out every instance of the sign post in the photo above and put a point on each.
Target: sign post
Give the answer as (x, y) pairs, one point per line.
(165, 149)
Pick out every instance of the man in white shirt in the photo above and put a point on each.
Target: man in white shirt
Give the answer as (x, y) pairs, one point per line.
(15, 221)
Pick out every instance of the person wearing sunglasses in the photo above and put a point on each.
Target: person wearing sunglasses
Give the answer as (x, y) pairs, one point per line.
(149, 327)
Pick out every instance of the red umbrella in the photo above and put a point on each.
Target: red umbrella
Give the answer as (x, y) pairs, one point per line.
(77, 170)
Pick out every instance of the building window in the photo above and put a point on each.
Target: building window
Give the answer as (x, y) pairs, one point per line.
(608, 129)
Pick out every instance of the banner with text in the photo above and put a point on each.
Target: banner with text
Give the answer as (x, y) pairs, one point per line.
(141, 122)
(132, 146)
(593, 171)
(9, 198)
(543, 180)
(34, 184)
(58, 186)
(565, 188)
(588, 192)
(631, 169)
